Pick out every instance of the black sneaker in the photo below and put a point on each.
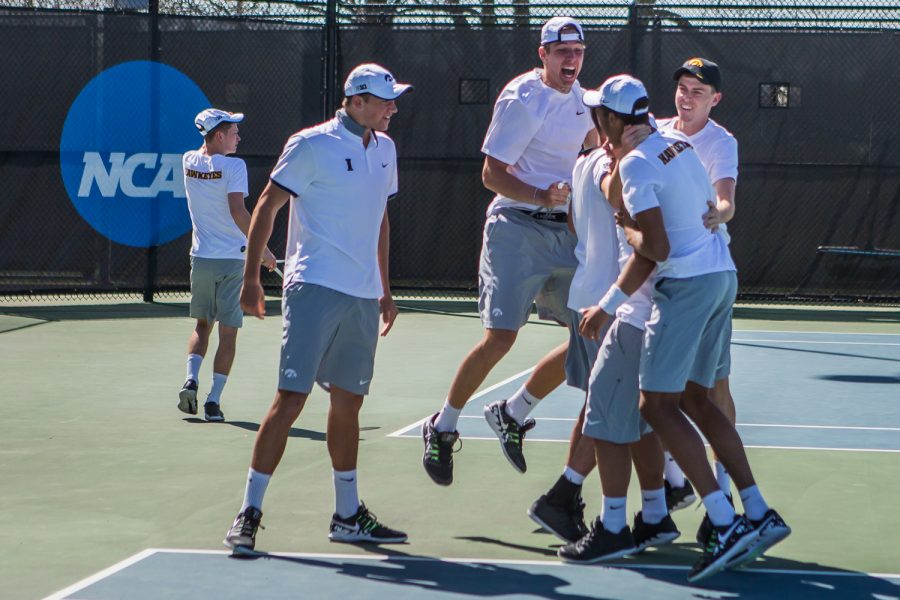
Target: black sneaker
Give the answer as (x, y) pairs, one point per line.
(706, 525)
(187, 397)
(772, 529)
(679, 497)
(241, 538)
(363, 527)
(599, 544)
(510, 433)
(724, 545)
(565, 522)
(655, 534)
(212, 412)
(438, 457)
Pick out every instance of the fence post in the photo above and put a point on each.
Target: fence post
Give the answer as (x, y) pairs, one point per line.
(330, 78)
(634, 36)
(152, 251)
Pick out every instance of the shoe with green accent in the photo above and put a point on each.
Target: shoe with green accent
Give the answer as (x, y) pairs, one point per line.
(438, 457)
(363, 527)
(509, 432)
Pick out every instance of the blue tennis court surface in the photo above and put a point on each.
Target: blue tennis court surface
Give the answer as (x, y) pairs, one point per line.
(201, 575)
(792, 390)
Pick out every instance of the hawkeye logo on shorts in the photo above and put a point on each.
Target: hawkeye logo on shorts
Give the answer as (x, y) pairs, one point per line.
(121, 148)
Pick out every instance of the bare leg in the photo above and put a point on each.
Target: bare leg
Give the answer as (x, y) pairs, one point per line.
(581, 457)
(343, 429)
(199, 338)
(273, 432)
(549, 373)
(614, 464)
(647, 455)
(478, 363)
(226, 350)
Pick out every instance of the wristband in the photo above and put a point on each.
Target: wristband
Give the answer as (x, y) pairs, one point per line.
(613, 299)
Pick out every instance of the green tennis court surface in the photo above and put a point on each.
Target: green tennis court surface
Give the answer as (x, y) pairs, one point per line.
(97, 465)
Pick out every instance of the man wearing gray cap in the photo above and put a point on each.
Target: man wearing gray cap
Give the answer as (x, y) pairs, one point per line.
(338, 177)
(665, 190)
(528, 254)
(215, 185)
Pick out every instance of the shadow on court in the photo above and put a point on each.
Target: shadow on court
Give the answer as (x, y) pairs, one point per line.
(825, 352)
(295, 432)
(861, 378)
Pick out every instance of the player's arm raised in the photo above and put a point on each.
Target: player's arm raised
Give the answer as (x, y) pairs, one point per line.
(261, 223)
(496, 177)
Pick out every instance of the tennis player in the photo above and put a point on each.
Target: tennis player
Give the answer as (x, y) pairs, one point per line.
(338, 177)
(538, 127)
(216, 185)
(666, 190)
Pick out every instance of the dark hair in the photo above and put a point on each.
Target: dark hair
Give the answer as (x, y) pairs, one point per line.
(223, 127)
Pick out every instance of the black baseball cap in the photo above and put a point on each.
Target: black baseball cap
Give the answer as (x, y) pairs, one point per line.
(704, 70)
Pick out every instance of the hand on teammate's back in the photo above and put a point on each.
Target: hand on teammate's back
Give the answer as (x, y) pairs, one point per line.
(555, 195)
(712, 218)
(592, 321)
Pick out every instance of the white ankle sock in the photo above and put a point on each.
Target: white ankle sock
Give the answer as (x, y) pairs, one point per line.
(193, 366)
(215, 391)
(674, 474)
(720, 511)
(653, 505)
(573, 475)
(613, 515)
(723, 478)
(256, 488)
(521, 404)
(755, 505)
(346, 497)
(448, 418)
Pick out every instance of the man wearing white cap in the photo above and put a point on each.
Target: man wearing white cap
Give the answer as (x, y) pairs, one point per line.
(665, 191)
(338, 177)
(215, 185)
(538, 127)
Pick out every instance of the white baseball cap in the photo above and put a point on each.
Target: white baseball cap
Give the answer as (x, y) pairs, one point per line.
(374, 79)
(552, 31)
(211, 118)
(622, 94)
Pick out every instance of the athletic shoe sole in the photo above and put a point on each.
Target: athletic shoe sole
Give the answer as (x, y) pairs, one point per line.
(491, 419)
(659, 539)
(365, 539)
(187, 401)
(216, 419)
(762, 544)
(738, 550)
(547, 528)
(611, 556)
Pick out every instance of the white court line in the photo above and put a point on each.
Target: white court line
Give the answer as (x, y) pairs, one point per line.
(815, 342)
(771, 425)
(101, 575)
(812, 332)
(387, 558)
(478, 395)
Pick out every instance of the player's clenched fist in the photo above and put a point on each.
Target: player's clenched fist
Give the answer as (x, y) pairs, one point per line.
(555, 195)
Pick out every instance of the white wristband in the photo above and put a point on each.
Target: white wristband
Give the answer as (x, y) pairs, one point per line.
(612, 300)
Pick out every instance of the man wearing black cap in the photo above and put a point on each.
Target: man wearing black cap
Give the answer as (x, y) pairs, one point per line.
(698, 90)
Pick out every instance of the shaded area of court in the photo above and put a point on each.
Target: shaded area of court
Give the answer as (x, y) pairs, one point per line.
(202, 575)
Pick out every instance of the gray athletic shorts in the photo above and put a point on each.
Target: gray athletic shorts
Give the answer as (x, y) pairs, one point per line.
(613, 412)
(216, 290)
(724, 368)
(328, 338)
(581, 354)
(688, 331)
(524, 260)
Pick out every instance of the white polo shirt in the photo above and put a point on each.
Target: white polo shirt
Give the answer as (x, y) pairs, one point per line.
(207, 182)
(538, 131)
(595, 228)
(340, 189)
(715, 145)
(666, 172)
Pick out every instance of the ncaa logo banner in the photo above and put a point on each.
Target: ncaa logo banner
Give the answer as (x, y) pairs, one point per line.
(121, 147)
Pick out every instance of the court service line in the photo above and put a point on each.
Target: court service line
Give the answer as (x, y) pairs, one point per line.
(771, 425)
(101, 575)
(827, 333)
(483, 392)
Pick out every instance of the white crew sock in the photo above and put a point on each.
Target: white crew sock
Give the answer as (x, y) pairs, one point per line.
(193, 366)
(218, 384)
(723, 478)
(521, 404)
(613, 515)
(755, 506)
(346, 497)
(719, 509)
(653, 506)
(256, 488)
(573, 475)
(447, 418)
(674, 474)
